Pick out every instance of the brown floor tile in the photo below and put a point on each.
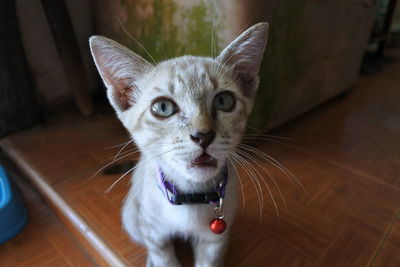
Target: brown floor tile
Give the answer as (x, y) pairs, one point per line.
(360, 131)
(44, 241)
(389, 253)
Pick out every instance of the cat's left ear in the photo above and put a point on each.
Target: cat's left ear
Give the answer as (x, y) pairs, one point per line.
(120, 70)
(244, 56)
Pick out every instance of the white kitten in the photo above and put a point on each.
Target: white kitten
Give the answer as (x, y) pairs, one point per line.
(186, 116)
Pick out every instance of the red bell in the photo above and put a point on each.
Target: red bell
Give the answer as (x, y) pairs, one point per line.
(218, 226)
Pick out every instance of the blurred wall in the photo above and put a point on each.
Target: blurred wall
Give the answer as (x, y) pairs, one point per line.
(396, 19)
(44, 62)
(314, 51)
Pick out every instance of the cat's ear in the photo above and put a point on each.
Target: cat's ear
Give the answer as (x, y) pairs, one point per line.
(244, 56)
(120, 69)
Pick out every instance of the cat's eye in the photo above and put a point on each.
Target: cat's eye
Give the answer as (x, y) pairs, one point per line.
(163, 107)
(224, 101)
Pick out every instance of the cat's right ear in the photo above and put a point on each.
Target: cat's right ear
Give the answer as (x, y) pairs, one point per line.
(120, 69)
(244, 56)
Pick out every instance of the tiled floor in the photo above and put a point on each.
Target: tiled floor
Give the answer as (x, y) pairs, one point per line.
(44, 241)
(346, 154)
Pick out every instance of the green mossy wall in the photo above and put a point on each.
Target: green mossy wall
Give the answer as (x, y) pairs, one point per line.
(169, 30)
(314, 49)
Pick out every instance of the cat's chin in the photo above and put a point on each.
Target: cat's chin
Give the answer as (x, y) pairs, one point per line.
(202, 172)
(200, 168)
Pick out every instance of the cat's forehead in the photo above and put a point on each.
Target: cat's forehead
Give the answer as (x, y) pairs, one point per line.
(188, 73)
(188, 65)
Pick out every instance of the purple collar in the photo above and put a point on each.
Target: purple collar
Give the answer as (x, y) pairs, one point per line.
(177, 198)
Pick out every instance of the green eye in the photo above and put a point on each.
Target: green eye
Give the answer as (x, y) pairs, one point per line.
(224, 101)
(163, 107)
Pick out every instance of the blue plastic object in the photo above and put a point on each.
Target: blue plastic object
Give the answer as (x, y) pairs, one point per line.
(13, 213)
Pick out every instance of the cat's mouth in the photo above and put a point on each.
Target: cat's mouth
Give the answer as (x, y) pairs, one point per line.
(204, 161)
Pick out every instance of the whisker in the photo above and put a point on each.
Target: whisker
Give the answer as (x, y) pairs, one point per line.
(133, 150)
(245, 168)
(274, 162)
(272, 140)
(255, 135)
(133, 168)
(212, 37)
(108, 164)
(222, 64)
(266, 184)
(255, 174)
(125, 154)
(136, 41)
(268, 158)
(220, 73)
(238, 176)
(115, 146)
(269, 175)
(137, 150)
(277, 142)
(122, 148)
(231, 66)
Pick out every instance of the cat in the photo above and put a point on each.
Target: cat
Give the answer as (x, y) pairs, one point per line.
(186, 115)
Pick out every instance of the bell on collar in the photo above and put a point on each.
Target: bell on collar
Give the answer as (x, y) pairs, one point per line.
(218, 226)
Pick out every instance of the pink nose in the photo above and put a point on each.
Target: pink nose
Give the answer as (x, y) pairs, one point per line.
(203, 139)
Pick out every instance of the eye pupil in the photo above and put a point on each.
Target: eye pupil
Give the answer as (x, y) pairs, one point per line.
(163, 107)
(224, 101)
(221, 100)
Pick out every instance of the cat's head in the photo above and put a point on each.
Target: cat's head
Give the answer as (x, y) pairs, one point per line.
(187, 113)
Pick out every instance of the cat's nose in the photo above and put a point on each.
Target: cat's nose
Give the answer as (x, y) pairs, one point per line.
(203, 139)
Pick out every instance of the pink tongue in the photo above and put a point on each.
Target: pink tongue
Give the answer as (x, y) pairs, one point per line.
(204, 158)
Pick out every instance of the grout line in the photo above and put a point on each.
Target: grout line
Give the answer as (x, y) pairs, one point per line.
(384, 238)
(76, 220)
(357, 172)
(347, 168)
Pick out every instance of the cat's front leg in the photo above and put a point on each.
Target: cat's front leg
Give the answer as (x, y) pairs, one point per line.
(160, 253)
(209, 253)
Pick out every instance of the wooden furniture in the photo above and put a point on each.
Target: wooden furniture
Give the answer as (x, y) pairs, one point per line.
(19, 108)
(68, 49)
